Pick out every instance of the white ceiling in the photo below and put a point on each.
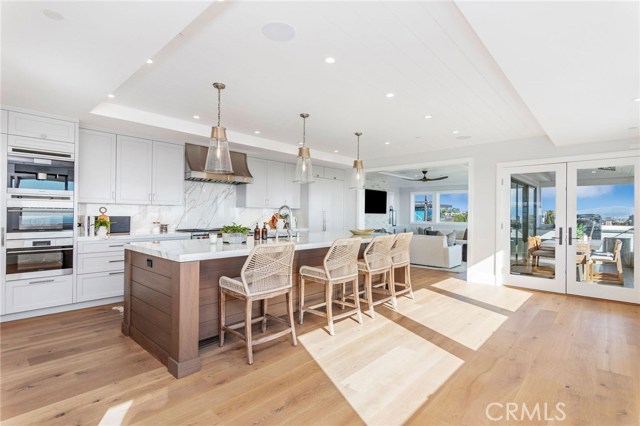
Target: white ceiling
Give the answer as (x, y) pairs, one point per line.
(458, 62)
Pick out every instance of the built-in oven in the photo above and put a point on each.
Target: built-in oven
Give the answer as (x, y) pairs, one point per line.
(37, 258)
(31, 219)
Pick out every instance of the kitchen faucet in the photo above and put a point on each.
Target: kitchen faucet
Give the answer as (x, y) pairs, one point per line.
(287, 221)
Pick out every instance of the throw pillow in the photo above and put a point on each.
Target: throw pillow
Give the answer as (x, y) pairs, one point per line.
(420, 230)
(451, 239)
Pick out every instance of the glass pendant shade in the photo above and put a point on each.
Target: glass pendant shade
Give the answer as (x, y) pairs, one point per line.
(304, 169)
(218, 156)
(357, 175)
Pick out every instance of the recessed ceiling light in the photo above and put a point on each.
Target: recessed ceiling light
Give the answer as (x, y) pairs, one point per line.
(335, 150)
(257, 132)
(300, 143)
(197, 117)
(455, 132)
(637, 99)
(387, 143)
(278, 31)
(149, 61)
(111, 95)
(389, 95)
(329, 60)
(52, 14)
(428, 116)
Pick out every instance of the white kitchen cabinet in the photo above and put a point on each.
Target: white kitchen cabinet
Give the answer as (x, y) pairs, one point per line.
(3, 121)
(318, 172)
(134, 170)
(37, 293)
(35, 126)
(100, 285)
(335, 174)
(168, 174)
(99, 262)
(291, 189)
(270, 187)
(97, 156)
(326, 199)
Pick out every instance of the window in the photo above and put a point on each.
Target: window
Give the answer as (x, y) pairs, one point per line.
(422, 207)
(450, 207)
(454, 207)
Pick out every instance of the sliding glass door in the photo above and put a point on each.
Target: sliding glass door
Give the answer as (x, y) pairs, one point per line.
(532, 230)
(570, 228)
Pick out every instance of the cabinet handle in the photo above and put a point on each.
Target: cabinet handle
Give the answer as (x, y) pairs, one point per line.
(324, 220)
(154, 197)
(116, 261)
(149, 196)
(41, 281)
(116, 245)
(2, 236)
(116, 273)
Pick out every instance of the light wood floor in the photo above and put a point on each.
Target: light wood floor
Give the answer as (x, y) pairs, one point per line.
(440, 360)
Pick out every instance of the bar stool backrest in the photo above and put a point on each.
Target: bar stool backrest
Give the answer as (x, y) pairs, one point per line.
(268, 268)
(377, 255)
(342, 258)
(400, 248)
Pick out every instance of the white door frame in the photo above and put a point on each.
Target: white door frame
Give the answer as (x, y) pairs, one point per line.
(558, 283)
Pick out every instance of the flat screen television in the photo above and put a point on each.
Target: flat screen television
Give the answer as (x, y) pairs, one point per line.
(375, 201)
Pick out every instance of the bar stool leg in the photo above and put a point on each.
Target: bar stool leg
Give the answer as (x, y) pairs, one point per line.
(392, 288)
(356, 298)
(294, 340)
(329, 302)
(264, 314)
(407, 279)
(221, 320)
(342, 298)
(247, 330)
(301, 308)
(369, 290)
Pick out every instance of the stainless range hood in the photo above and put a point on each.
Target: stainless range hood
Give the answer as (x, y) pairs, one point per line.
(196, 156)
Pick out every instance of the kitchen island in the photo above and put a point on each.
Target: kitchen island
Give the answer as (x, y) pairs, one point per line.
(171, 292)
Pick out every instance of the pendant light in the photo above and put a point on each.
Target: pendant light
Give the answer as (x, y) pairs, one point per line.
(357, 174)
(218, 156)
(304, 172)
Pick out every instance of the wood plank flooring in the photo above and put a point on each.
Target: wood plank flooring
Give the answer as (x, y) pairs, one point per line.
(441, 359)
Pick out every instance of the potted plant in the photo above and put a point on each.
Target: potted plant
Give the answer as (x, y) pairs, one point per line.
(580, 230)
(234, 234)
(103, 226)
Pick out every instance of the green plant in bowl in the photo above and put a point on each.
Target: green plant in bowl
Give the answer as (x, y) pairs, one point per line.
(103, 222)
(235, 229)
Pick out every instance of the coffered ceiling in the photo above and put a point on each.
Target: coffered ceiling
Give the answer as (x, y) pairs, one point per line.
(482, 72)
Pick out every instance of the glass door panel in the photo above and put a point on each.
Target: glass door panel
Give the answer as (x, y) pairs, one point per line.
(601, 208)
(535, 257)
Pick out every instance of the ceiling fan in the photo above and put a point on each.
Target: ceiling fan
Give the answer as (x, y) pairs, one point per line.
(424, 178)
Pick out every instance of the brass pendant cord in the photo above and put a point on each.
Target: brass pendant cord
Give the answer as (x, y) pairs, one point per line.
(304, 130)
(219, 106)
(358, 134)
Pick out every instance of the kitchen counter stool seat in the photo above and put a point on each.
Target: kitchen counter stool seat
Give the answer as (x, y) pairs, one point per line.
(377, 262)
(339, 268)
(266, 273)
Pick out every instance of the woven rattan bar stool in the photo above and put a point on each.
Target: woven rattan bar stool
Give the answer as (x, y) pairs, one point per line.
(266, 273)
(400, 259)
(340, 267)
(377, 262)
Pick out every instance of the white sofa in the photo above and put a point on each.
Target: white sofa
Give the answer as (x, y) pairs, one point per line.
(432, 250)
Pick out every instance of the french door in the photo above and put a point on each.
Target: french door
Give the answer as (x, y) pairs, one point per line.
(570, 228)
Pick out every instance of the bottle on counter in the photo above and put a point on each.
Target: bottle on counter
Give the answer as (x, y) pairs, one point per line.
(256, 232)
(265, 231)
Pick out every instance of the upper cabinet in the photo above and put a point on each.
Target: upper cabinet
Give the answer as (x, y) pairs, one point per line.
(167, 174)
(133, 170)
(35, 126)
(127, 170)
(97, 167)
(328, 173)
(272, 185)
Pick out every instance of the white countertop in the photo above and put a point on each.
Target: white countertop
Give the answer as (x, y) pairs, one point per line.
(192, 250)
(134, 237)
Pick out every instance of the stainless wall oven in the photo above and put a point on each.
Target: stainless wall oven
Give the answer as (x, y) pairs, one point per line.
(35, 258)
(28, 220)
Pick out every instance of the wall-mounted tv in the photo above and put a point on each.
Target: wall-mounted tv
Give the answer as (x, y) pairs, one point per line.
(375, 201)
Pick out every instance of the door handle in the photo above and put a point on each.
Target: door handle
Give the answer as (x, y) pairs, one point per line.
(569, 242)
(560, 236)
(2, 236)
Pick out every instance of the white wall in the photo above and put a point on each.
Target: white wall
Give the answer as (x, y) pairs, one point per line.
(482, 189)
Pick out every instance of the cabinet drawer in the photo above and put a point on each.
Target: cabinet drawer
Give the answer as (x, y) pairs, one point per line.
(101, 246)
(99, 286)
(34, 126)
(99, 262)
(37, 293)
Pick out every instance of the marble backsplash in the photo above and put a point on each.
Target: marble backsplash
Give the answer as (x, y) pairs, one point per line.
(206, 205)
